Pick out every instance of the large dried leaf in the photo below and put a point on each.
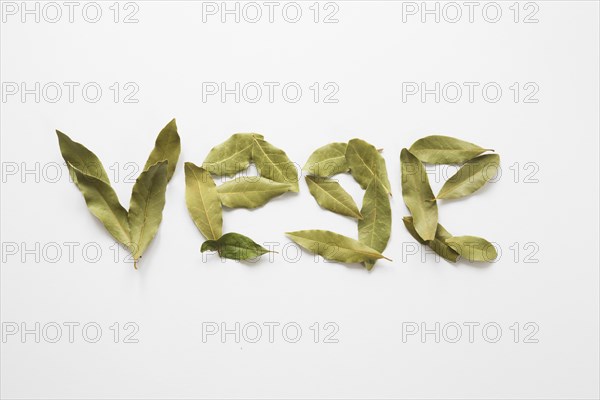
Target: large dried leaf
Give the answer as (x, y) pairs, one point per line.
(146, 207)
(366, 164)
(438, 244)
(103, 203)
(327, 160)
(234, 246)
(272, 163)
(203, 201)
(335, 247)
(80, 157)
(471, 177)
(473, 248)
(231, 156)
(437, 149)
(250, 192)
(331, 196)
(167, 147)
(375, 227)
(418, 196)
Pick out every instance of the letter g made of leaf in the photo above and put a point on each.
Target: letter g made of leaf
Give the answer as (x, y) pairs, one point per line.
(137, 227)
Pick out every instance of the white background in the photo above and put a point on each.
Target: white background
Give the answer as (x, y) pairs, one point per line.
(369, 53)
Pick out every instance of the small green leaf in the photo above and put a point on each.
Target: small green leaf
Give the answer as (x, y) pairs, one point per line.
(146, 207)
(335, 247)
(250, 192)
(376, 226)
(437, 244)
(327, 160)
(231, 156)
(473, 248)
(167, 147)
(470, 177)
(437, 149)
(331, 196)
(272, 163)
(366, 164)
(203, 201)
(418, 196)
(103, 203)
(234, 246)
(209, 245)
(80, 157)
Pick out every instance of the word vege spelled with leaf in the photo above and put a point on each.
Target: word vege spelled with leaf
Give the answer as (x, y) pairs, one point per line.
(137, 227)
(277, 174)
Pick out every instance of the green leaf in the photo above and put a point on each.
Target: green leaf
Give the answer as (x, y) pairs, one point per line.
(366, 164)
(327, 160)
(103, 203)
(335, 247)
(437, 149)
(376, 226)
(331, 196)
(473, 248)
(77, 155)
(146, 207)
(470, 177)
(203, 201)
(440, 246)
(250, 192)
(272, 163)
(410, 227)
(437, 244)
(234, 246)
(231, 156)
(166, 147)
(418, 196)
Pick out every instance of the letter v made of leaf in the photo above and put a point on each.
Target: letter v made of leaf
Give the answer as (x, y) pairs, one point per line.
(137, 227)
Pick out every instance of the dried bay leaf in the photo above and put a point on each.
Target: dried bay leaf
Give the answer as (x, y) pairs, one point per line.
(272, 163)
(250, 192)
(471, 177)
(473, 248)
(327, 160)
(103, 203)
(330, 195)
(418, 196)
(80, 157)
(231, 156)
(167, 147)
(366, 164)
(146, 207)
(440, 246)
(410, 227)
(203, 201)
(437, 244)
(375, 227)
(335, 247)
(438, 149)
(234, 246)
